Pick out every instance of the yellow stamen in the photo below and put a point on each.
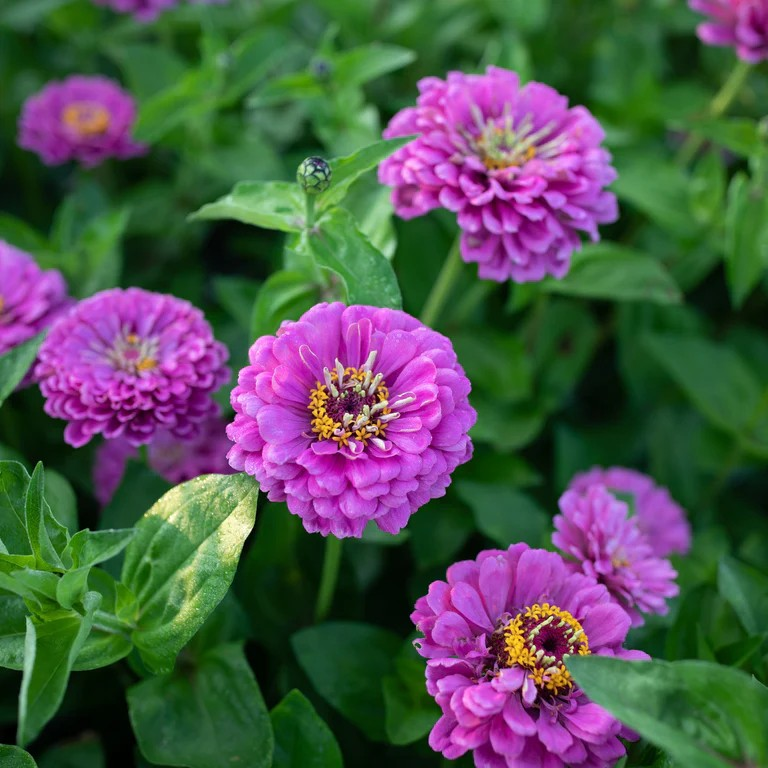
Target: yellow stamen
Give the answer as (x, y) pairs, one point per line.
(147, 364)
(86, 118)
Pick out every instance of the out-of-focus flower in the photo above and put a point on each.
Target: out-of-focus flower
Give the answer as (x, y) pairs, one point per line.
(128, 363)
(606, 544)
(86, 119)
(496, 636)
(352, 414)
(742, 24)
(30, 298)
(524, 173)
(173, 459)
(657, 514)
(148, 10)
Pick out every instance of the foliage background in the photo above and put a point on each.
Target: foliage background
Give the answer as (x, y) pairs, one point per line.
(653, 353)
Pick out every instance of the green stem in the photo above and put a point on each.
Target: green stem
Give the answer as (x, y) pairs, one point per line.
(310, 217)
(329, 577)
(719, 104)
(441, 290)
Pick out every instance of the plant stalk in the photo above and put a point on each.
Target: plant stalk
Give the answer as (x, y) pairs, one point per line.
(443, 286)
(329, 577)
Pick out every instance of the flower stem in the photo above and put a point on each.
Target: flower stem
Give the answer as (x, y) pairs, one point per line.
(310, 217)
(719, 104)
(441, 290)
(329, 577)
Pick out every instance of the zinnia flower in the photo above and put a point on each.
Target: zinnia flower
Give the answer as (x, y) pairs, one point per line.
(87, 119)
(606, 544)
(524, 173)
(30, 298)
(173, 459)
(496, 636)
(658, 516)
(146, 10)
(742, 24)
(352, 414)
(127, 363)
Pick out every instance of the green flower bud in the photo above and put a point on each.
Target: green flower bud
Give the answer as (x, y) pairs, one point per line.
(314, 175)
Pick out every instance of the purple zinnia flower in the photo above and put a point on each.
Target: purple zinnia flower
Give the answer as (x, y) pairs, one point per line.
(496, 636)
(594, 528)
(30, 298)
(742, 24)
(173, 459)
(87, 119)
(352, 414)
(146, 10)
(657, 514)
(127, 363)
(523, 172)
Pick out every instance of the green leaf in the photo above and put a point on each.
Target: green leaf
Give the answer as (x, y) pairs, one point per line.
(702, 714)
(15, 363)
(285, 295)
(19, 233)
(97, 253)
(617, 273)
(15, 757)
(61, 498)
(706, 190)
(302, 739)
(361, 65)
(13, 629)
(439, 531)
(746, 237)
(345, 662)
(50, 650)
(346, 170)
(338, 245)
(504, 514)
(736, 134)
(14, 481)
(88, 547)
(183, 558)
(746, 589)
(207, 717)
(80, 754)
(42, 527)
(267, 204)
(148, 69)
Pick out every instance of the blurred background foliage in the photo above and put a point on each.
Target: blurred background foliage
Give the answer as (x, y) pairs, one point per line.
(652, 353)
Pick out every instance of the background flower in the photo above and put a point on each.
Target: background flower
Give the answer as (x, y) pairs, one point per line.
(81, 118)
(352, 414)
(742, 24)
(660, 518)
(127, 363)
(146, 10)
(524, 173)
(594, 528)
(496, 633)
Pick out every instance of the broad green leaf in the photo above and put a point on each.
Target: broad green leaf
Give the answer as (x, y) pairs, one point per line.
(206, 717)
(346, 170)
(13, 629)
(267, 204)
(148, 68)
(14, 481)
(15, 757)
(72, 586)
(25, 15)
(285, 295)
(706, 190)
(61, 499)
(702, 714)
(39, 587)
(505, 426)
(617, 273)
(302, 739)
(47, 536)
(746, 589)
(338, 245)
(439, 531)
(361, 65)
(736, 134)
(15, 363)
(746, 237)
(50, 650)
(19, 233)
(183, 558)
(88, 547)
(346, 662)
(504, 514)
(98, 254)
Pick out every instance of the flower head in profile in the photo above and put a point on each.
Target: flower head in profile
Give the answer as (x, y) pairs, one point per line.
(174, 459)
(496, 636)
(30, 298)
(742, 24)
(352, 414)
(658, 516)
(87, 119)
(146, 10)
(524, 173)
(605, 543)
(130, 363)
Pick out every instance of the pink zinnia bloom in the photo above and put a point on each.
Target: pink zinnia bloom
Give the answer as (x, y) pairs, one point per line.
(87, 119)
(524, 173)
(595, 529)
(128, 363)
(146, 10)
(173, 459)
(496, 636)
(742, 24)
(30, 298)
(657, 514)
(352, 414)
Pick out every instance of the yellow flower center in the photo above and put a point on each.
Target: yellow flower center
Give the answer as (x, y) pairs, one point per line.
(86, 118)
(132, 354)
(540, 639)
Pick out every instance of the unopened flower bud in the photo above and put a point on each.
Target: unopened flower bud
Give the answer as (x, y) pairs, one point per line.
(314, 175)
